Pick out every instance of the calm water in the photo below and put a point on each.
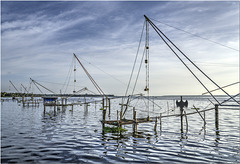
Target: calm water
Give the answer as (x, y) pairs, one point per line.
(75, 136)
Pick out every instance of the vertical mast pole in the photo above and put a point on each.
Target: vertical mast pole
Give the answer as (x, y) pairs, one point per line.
(74, 89)
(147, 63)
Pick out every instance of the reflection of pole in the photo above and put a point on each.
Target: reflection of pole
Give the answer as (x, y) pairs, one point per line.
(216, 119)
(134, 120)
(23, 101)
(160, 120)
(103, 118)
(155, 126)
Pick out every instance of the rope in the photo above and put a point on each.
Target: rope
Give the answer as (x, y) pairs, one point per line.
(221, 87)
(195, 35)
(90, 77)
(37, 87)
(192, 62)
(155, 28)
(229, 99)
(41, 85)
(14, 86)
(68, 77)
(102, 70)
(138, 73)
(123, 99)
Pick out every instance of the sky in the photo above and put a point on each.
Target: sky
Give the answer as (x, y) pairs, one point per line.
(38, 40)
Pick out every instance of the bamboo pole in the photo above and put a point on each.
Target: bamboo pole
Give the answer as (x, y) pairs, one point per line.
(176, 115)
(103, 103)
(186, 121)
(200, 114)
(181, 116)
(204, 116)
(117, 118)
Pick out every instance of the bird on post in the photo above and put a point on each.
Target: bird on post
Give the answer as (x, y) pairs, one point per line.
(182, 104)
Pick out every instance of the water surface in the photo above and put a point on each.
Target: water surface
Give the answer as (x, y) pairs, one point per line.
(75, 136)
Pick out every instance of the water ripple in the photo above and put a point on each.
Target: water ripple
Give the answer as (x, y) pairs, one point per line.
(29, 136)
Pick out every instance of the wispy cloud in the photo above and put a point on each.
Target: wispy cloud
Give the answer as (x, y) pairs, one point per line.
(38, 39)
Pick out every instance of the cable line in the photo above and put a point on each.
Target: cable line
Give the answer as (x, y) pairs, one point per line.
(158, 30)
(195, 35)
(222, 87)
(90, 77)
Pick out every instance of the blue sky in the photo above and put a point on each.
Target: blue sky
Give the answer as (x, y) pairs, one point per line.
(38, 40)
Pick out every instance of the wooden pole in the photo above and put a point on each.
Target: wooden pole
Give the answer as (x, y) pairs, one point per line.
(181, 115)
(109, 107)
(204, 117)
(117, 118)
(186, 121)
(44, 108)
(103, 103)
(200, 114)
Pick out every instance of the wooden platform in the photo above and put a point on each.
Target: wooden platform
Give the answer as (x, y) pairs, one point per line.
(58, 104)
(127, 122)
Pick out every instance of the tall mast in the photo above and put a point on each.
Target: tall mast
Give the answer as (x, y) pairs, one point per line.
(74, 89)
(147, 63)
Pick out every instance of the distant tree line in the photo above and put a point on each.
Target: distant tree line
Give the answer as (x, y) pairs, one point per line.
(7, 94)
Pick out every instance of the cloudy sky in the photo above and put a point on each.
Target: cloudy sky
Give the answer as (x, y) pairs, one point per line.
(38, 40)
